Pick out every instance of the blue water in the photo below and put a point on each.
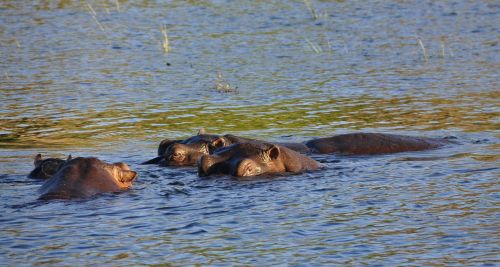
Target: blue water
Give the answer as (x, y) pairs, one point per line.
(69, 86)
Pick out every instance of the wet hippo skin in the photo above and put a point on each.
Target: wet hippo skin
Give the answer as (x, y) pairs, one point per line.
(373, 143)
(230, 139)
(85, 177)
(255, 158)
(183, 152)
(187, 152)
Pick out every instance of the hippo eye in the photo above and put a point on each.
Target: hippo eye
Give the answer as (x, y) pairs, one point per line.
(248, 171)
(178, 156)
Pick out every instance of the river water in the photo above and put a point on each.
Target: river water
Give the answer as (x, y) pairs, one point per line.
(93, 79)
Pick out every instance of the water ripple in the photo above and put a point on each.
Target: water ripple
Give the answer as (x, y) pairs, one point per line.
(70, 86)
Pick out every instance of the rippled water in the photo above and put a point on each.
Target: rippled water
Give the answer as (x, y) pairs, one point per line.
(91, 79)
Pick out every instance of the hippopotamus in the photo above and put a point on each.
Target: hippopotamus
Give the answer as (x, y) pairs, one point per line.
(85, 177)
(352, 143)
(254, 158)
(183, 152)
(229, 139)
(187, 152)
(373, 143)
(45, 168)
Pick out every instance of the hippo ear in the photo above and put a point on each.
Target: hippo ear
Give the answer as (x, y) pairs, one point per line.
(69, 158)
(127, 176)
(273, 152)
(201, 131)
(219, 142)
(38, 160)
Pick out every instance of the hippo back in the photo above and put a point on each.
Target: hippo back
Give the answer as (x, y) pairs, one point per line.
(373, 143)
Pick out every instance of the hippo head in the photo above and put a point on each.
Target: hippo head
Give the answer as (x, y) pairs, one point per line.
(164, 144)
(46, 168)
(85, 177)
(185, 152)
(243, 159)
(188, 151)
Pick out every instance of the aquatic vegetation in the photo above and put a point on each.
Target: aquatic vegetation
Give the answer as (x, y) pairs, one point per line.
(222, 85)
(165, 43)
(94, 16)
(315, 14)
(424, 51)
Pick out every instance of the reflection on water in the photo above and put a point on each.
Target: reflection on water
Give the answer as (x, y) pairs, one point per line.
(472, 112)
(90, 78)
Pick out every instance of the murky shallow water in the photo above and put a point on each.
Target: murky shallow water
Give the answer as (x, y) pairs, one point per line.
(99, 85)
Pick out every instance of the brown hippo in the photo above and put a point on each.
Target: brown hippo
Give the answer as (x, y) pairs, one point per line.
(85, 177)
(230, 139)
(45, 168)
(352, 143)
(372, 143)
(183, 152)
(254, 158)
(187, 152)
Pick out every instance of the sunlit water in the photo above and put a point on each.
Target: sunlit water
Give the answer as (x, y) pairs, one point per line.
(100, 84)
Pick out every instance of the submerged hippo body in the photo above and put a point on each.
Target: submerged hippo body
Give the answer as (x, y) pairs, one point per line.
(254, 158)
(372, 143)
(352, 143)
(46, 168)
(85, 177)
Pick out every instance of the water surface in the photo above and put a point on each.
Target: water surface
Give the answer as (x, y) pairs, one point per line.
(92, 79)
